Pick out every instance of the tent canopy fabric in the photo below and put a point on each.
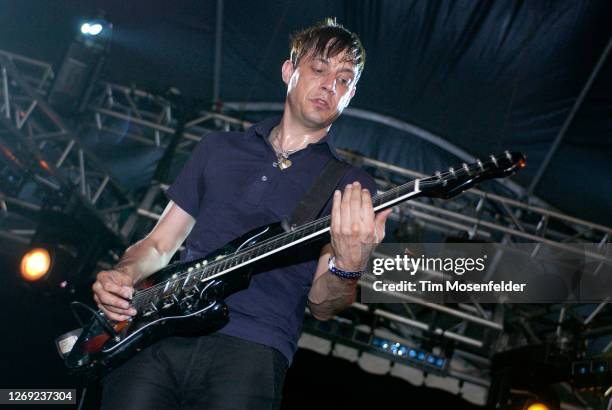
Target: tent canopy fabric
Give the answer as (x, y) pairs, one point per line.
(485, 76)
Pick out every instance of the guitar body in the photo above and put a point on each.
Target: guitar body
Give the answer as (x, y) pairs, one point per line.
(197, 309)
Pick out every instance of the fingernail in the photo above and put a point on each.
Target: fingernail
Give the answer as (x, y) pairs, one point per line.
(125, 305)
(132, 312)
(349, 186)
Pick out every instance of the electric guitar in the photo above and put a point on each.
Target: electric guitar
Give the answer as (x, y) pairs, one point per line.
(187, 297)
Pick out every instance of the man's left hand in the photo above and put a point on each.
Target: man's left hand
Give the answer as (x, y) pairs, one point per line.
(355, 230)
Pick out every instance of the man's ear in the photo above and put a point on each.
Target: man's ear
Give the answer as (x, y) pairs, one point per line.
(287, 71)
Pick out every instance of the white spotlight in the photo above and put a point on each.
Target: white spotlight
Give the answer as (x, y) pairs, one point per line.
(92, 28)
(95, 29)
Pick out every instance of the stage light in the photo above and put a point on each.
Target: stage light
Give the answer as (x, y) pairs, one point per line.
(92, 28)
(65, 250)
(581, 368)
(95, 29)
(538, 406)
(81, 66)
(600, 366)
(35, 264)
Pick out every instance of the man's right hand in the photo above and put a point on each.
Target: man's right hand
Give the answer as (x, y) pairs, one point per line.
(114, 288)
(113, 291)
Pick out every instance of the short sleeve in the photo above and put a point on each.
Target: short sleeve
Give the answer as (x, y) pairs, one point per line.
(354, 174)
(357, 174)
(188, 187)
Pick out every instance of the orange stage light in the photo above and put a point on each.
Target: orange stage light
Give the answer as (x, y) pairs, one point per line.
(35, 264)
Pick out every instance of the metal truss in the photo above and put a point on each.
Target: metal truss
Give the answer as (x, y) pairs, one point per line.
(41, 147)
(470, 331)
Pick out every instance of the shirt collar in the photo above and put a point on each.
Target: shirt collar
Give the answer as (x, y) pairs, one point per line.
(263, 128)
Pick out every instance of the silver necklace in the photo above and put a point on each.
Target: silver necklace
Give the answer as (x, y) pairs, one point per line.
(282, 156)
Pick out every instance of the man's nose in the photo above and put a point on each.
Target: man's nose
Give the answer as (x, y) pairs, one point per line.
(329, 84)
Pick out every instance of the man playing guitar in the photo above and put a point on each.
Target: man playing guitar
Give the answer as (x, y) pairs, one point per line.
(233, 182)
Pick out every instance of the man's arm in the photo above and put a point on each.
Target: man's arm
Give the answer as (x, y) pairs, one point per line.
(355, 232)
(329, 294)
(114, 288)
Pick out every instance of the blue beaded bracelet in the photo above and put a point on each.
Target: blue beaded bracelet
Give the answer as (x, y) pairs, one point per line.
(342, 274)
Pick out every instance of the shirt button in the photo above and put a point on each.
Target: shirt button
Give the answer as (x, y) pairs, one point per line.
(274, 164)
(264, 178)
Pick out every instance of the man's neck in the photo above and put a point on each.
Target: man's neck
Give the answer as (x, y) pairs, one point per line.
(292, 135)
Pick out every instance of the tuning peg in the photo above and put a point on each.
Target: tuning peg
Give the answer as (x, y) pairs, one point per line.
(508, 155)
(466, 168)
(452, 171)
(493, 159)
(438, 174)
(479, 162)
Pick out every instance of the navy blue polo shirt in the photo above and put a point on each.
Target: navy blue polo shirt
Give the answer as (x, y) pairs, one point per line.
(231, 185)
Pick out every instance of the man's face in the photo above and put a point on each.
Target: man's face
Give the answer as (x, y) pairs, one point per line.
(319, 88)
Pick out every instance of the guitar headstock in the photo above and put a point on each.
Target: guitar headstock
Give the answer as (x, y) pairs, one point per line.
(456, 180)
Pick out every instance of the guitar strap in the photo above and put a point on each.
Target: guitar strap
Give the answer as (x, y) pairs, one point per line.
(320, 192)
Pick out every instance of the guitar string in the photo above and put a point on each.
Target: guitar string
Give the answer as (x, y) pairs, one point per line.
(378, 200)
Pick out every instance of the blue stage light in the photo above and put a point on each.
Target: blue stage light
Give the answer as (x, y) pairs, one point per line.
(381, 343)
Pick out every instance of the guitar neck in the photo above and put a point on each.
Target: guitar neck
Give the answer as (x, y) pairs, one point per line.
(312, 230)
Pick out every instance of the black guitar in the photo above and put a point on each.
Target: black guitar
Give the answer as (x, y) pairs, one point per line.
(187, 298)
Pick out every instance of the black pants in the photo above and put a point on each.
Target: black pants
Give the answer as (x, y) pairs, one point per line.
(209, 372)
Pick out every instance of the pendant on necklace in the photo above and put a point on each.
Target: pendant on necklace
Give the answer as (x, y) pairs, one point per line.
(284, 163)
